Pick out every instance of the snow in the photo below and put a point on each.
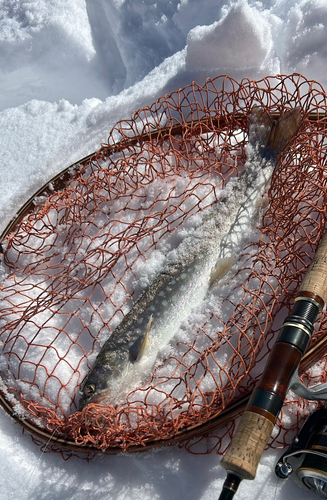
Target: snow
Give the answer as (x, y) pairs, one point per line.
(216, 46)
(68, 71)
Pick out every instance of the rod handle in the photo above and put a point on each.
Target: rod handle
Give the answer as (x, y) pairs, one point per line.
(315, 279)
(249, 441)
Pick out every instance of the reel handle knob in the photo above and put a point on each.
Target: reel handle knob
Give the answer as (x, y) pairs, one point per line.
(283, 470)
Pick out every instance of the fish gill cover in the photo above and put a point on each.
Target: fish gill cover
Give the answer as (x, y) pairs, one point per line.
(77, 262)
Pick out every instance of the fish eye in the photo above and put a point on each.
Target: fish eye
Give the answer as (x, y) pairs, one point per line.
(89, 389)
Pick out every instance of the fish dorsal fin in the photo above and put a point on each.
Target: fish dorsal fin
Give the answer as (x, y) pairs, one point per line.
(140, 346)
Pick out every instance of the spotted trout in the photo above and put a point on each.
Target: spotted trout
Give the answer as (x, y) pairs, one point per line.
(201, 260)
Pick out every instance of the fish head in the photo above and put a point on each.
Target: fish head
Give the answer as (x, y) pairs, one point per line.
(104, 380)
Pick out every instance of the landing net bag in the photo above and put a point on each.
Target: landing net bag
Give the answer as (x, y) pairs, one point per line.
(81, 252)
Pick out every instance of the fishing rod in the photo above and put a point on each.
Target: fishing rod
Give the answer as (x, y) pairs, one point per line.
(280, 374)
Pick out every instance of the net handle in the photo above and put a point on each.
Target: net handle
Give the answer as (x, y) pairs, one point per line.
(315, 280)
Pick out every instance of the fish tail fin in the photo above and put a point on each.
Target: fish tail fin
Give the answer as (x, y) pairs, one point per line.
(272, 135)
(282, 130)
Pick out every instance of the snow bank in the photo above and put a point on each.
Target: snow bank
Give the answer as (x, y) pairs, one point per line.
(240, 40)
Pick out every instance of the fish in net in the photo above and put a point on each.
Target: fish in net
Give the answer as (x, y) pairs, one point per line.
(79, 255)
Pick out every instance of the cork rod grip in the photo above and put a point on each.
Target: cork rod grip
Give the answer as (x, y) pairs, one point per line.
(315, 279)
(249, 441)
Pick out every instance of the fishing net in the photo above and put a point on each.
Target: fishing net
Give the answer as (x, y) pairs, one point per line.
(79, 254)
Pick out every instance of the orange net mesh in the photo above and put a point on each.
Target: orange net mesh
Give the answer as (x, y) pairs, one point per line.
(77, 262)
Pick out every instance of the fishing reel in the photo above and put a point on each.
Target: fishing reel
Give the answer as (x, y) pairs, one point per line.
(311, 443)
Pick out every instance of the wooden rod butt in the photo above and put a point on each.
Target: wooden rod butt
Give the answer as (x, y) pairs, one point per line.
(315, 279)
(249, 441)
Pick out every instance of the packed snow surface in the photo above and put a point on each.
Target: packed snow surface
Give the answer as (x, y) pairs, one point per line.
(68, 71)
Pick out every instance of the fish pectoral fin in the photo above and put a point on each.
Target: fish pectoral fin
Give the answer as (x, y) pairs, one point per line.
(140, 346)
(222, 267)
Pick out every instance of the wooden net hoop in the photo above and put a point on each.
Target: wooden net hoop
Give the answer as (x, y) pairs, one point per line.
(72, 258)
